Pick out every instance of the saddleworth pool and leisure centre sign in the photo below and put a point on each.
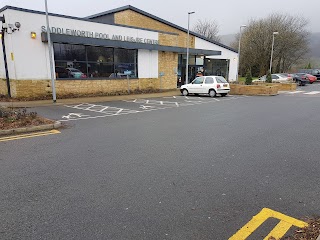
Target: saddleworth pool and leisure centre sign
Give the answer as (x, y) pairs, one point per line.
(89, 34)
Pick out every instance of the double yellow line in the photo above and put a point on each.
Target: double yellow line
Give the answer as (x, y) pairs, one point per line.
(29, 135)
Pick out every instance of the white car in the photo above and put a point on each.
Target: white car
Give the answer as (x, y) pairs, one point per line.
(276, 78)
(211, 85)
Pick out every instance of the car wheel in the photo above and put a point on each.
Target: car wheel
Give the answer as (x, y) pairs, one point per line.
(224, 94)
(299, 83)
(212, 93)
(185, 92)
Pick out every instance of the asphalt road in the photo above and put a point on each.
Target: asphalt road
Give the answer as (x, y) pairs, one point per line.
(170, 168)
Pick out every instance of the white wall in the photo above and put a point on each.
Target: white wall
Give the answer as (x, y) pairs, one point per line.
(225, 54)
(31, 60)
(147, 63)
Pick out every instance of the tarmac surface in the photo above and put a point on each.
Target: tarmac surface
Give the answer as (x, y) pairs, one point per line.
(163, 168)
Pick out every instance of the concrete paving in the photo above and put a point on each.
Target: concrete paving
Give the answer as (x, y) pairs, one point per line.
(199, 171)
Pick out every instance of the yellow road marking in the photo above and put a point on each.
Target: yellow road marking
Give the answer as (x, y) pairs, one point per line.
(278, 231)
(29, 135)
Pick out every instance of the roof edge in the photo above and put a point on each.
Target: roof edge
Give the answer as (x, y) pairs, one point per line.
(130, 7)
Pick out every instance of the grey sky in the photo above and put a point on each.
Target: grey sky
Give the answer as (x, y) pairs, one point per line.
(230, 14)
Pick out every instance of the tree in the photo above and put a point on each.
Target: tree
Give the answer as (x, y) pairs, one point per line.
(269, 77)
(248, 77)
(290, 45)
(309, 66)
(208, 29)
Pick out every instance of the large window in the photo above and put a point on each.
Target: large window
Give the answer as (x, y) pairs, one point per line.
(79, 61)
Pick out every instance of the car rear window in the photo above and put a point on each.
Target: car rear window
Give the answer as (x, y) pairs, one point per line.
(221, 80)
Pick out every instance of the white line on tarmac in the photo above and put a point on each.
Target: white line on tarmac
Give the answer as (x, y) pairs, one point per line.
(312, 93)
(296, 92)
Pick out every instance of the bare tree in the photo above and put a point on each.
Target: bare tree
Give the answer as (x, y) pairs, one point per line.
(290, 45)
(208, 29)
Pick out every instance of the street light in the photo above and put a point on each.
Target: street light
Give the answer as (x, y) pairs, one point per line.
(54, 98)
(274, 33)
(187, 67)
(239, 49)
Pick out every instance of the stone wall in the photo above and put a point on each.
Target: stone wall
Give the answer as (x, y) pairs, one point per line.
(40, 88)
(168, 64)
(251, 90)
(3, 87)
(132, 18)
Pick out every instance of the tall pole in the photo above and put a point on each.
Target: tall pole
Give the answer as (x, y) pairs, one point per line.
(54, 97)
(187, 66)
(274, 33)
(239, 49)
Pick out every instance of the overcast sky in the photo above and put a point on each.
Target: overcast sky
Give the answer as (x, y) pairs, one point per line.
(229, 14)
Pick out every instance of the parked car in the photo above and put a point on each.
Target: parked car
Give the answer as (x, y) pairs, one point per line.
(211, 85)
(310, 78)
(300, 80)
(276, 78)
(75, 73)
(61, 72)
(314, 72)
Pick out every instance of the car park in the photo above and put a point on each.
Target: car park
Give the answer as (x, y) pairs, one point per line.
(211, 85)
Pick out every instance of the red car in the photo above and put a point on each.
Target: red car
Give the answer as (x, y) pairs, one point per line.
(311, 78)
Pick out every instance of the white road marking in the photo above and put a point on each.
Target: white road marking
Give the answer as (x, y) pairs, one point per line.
(75, 115)
(296, 92)
(113, 111)
(312, 93)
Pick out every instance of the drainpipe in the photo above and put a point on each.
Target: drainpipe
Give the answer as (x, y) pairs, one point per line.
(5, 58)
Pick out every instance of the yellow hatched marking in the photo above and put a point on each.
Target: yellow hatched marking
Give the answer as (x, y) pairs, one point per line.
(29, 135)
(261, 217)
(279, 231)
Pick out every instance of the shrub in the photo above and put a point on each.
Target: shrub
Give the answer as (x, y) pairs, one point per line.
(248, 77)
(269, 77)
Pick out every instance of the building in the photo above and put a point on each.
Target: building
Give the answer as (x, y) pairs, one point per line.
(107, 53)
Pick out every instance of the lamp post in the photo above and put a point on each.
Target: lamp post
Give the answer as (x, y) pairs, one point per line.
(54, 98)
(187, 66)
(239, 49)
(274, 33)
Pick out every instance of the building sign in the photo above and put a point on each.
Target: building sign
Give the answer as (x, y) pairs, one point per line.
(89, 34)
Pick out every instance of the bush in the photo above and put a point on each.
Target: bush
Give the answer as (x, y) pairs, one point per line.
(248, 77)
(269, 77)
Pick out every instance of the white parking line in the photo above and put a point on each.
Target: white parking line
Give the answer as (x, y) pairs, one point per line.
(152, 106)
(296, 92)
(312, 93)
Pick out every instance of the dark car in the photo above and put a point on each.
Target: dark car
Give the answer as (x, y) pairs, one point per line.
(301, 79)
(61, 72)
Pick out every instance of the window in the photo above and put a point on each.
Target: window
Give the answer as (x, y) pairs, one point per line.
(198, 80)
(79, 61)
(221, 80)
(274, 76)
(209, 80)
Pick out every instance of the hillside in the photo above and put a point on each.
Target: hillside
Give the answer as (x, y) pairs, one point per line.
(314, 43)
